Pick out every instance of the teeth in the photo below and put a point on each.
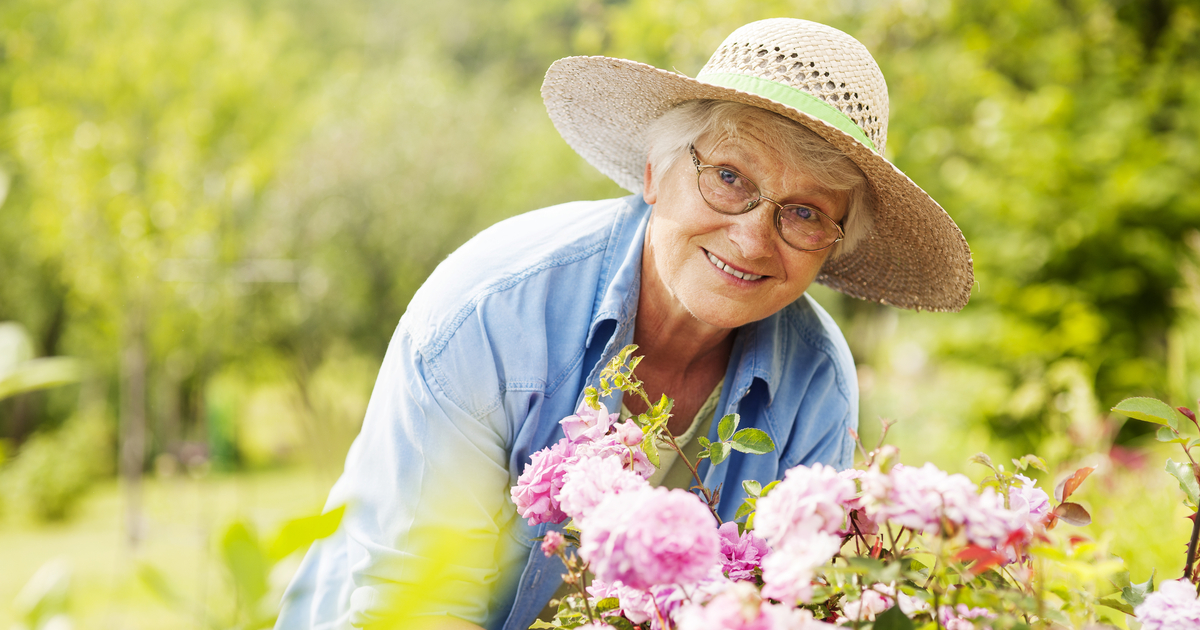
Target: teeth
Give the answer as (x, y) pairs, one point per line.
(730, 270)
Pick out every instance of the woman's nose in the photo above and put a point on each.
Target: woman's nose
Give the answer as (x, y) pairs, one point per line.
(753, 233)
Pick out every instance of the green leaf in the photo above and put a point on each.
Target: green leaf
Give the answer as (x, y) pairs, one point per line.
(158, 584)
(607, 604)
(1193, 443)
(745, 508)
(301, 532)
(1165, 434)
(752, 487)
(1117, 604)
(651, 451)
(1031, 461)
(244, 557)
(1150, 410)
(753, 441)
(727, 426)
(1187, 480)
(1135, 594)
(704, 443)
(892, 619)
(982, 458)
(767, 488)
(720, 450)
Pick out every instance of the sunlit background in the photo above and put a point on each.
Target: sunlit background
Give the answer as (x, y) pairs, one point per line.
(213, 214)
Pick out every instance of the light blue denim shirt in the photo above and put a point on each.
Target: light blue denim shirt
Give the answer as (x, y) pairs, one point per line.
(496, 348)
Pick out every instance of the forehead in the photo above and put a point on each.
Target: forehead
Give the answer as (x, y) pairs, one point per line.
(754, 150)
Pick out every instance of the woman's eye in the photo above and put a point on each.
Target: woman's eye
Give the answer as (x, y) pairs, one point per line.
(803, 213)
(728, 177)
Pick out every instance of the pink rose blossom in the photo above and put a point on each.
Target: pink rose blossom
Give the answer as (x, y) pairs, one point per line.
(629, 433)
(808, 500)
(649, 537)
(923, 498)
(588, 424)
(741, 607)
(1028, 500)
(962, 617)
(589, 480)
(637, 605)
(610, 446)
(741, 554)
(1173, 605)
(788, 570)
(877, 600)
(536, 492)
(552, 543)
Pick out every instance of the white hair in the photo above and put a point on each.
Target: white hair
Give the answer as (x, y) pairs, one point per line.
(670, 135)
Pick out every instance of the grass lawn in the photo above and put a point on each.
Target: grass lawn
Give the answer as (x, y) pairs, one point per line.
(180, 517)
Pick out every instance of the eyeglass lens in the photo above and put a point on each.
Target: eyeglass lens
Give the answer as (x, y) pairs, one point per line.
(729, 192)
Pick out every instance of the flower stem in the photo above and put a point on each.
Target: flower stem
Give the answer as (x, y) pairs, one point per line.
(1191, 550)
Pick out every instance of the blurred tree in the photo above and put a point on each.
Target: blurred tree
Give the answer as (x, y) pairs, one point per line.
(189, 189)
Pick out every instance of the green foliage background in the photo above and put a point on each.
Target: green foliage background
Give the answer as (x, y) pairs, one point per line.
(223, 207)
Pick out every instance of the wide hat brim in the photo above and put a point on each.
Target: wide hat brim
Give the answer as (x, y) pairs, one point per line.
(915, 256)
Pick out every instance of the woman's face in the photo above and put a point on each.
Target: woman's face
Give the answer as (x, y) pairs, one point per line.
(693, 252)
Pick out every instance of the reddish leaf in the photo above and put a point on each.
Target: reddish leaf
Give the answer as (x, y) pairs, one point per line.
(1068, 486)
(877, 549)
(1191, 415)
(1073, 514)
(1075, 539)
(984, 559)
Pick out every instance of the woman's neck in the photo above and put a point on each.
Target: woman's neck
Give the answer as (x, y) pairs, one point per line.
(683, 357)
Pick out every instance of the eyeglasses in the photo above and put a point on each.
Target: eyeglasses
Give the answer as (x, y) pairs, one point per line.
(729, 192)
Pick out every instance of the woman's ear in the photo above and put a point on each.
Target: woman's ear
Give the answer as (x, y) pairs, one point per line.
(650, 190)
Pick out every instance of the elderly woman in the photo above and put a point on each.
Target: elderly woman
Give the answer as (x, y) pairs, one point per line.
(757, 178)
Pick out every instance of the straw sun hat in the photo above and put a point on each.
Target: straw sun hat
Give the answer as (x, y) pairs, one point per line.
(818, 76)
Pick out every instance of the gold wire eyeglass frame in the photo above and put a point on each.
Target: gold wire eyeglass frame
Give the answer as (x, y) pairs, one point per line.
(753, 203)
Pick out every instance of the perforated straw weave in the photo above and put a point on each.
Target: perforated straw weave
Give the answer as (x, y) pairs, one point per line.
(915, 256)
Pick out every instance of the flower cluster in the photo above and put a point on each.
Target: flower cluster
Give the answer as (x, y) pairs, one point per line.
(820, 548)
(545, 493)
(650, 537)
(929, 500)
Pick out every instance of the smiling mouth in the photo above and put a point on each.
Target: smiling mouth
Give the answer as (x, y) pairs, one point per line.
(730, 270)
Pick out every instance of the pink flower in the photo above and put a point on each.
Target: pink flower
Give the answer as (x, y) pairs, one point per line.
(590, 480)
(1028, 500)
(923, 498)
(788, 571)
(610, 446)
(878, 599)
(552, 543)
(637, 605)
(629, 433)
(866, 607)
(740, 554)
(588, 424)
(536, 492)
(960, 617)
(1173, 605)
(649, 537)
(741, 607)
(807, 501)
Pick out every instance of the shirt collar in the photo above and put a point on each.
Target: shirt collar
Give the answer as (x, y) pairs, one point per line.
(617, 296)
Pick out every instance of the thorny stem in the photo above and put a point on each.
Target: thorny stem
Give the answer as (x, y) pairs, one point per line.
(892, 536)
(708, 497)
(1191, 550)
(579, 583)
